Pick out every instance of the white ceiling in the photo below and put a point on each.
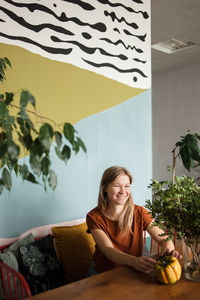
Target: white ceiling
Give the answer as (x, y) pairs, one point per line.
(179, 19)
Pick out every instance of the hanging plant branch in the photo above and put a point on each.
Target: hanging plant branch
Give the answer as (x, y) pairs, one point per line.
(18, 131)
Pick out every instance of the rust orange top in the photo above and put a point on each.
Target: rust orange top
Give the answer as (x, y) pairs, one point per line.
(130, 243)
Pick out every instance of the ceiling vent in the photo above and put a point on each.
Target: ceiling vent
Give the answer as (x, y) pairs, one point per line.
(172, 46)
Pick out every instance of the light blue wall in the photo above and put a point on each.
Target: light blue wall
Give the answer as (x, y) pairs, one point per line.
(120, 135)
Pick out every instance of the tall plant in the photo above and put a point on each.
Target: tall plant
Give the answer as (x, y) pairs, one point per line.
(175, 205)
(187, 150)
(18, 131)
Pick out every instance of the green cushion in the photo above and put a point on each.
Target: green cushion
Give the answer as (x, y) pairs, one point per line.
(20, 243)
(9, 259)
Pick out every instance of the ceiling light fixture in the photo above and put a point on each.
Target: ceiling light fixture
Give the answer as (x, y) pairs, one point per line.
(172, 46)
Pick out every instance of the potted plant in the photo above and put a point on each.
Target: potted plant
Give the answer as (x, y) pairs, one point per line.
(175, 205)
(19, 133)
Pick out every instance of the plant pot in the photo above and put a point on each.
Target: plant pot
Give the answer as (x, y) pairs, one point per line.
(191, 258)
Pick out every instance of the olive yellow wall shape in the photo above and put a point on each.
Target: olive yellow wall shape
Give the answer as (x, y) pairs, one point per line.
(63, 92)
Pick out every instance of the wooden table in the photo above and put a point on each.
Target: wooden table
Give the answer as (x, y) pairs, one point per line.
(123, 283)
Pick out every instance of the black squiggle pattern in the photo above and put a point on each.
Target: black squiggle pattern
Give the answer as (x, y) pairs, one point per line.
(36, 28)
(63, 18)
(98, 26)
(133, 70)
(121, 42)
(82, 4)
(140, 37)
(86, 35)
(114, 17)
(89, 50)
(138, 1)
(144, 13)
(93, 53)
(46, 48)
(117, 30)
(139, 60)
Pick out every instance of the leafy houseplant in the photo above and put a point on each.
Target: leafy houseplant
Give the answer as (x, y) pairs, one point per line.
(175, 204)
(18, 131)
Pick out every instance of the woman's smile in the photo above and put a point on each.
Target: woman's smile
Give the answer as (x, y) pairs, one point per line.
(119, 190)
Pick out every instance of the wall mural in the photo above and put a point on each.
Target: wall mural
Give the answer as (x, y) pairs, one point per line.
(110, 38)
(59, 50)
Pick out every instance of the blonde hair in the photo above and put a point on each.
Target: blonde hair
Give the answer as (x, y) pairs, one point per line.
(126, 217)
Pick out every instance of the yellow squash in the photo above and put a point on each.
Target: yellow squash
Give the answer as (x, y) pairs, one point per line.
(167, 269)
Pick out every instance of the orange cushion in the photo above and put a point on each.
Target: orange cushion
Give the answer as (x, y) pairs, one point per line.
(75, 249)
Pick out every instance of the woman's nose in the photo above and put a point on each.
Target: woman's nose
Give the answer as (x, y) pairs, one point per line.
(122, 189)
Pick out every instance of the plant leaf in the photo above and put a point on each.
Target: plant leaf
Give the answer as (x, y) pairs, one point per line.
(35, 164)
(75, 146)
(7, 61)
(52, 179)
(27, 140)
(31, 178)
(3, 149)
(186, 157)
(24, 98)
(58, 138)
(31, 99)
(45, 135)
(23, 115)
(3, 110)
(1, 186)
(45, 164)
(81, 144)
(69, 130)
(46, 131)
(58, 152)
(24, 171)
(9, 98)
(66, 153)
(6, 179)
(13, 150)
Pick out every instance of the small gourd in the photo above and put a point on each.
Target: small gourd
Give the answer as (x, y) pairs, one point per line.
(167, 269)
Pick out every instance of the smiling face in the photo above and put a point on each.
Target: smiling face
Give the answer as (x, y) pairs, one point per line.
(119, 190)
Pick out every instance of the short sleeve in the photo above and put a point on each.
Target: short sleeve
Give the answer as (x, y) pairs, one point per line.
(94, 221)
(147, 218)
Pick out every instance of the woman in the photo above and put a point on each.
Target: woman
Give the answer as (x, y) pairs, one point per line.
(117, 226)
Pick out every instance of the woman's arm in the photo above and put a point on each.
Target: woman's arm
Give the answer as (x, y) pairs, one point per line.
(166, 246)
(142, 263)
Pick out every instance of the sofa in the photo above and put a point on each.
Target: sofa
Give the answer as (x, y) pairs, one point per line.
(44, 258)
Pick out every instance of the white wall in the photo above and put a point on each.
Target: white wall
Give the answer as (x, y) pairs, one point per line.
(175, 109)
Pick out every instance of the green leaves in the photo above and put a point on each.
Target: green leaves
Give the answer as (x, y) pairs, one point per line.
(26, 98)
(35, 141)
(69, 132)
(4, 62)
(13, 150)
(73, 142)
(52, 179)
(45, 136)
(6, 179)
(189, 150)
(177, 206)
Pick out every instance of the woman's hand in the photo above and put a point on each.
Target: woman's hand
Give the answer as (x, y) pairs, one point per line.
(143, 264)
(172, 253)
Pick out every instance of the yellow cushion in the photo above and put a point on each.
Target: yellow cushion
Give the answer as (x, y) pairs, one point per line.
(75, 249)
